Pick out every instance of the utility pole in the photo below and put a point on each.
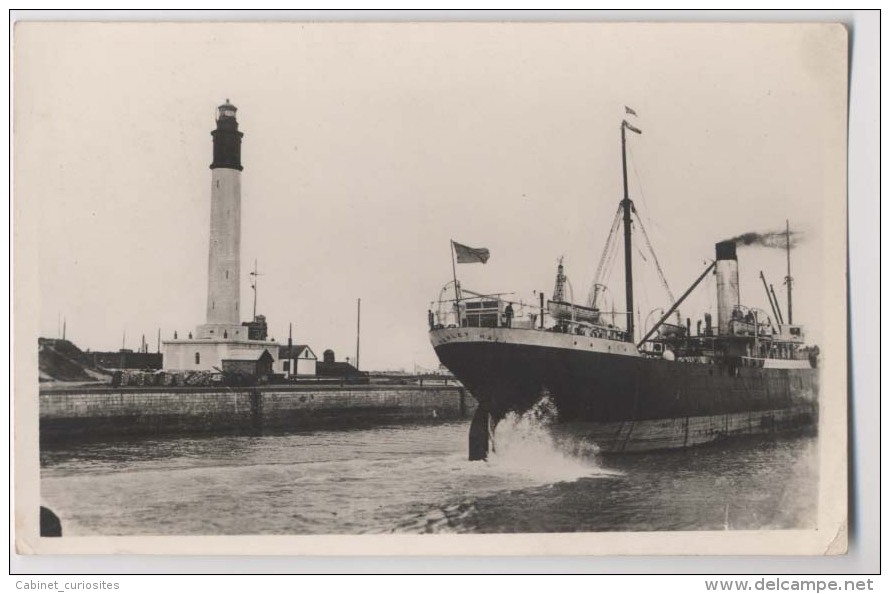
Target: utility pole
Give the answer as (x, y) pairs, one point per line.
(788, 257)
(358, 331)
(253, 285)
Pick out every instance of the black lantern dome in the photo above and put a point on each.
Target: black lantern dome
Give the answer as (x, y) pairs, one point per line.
(226, 139)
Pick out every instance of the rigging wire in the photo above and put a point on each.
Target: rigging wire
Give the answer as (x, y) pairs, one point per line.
(645, 299)
(633, 163)
(654, 257)
(662, 278)
(604, 257)
(610, 262)
(610, 251)
(612, 230)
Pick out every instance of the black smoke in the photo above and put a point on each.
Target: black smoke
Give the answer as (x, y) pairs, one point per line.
(769, 239)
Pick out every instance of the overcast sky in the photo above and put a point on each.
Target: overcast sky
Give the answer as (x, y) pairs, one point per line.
(367, 147)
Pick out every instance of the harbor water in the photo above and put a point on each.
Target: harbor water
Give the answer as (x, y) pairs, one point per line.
(416, 479)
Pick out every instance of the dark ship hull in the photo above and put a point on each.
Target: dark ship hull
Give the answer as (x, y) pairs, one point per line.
(609, 393)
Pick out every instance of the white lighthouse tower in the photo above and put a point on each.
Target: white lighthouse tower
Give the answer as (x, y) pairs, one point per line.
(224, 264)
(223, 340)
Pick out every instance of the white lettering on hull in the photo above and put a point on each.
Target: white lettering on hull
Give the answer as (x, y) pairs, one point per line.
(539, 338)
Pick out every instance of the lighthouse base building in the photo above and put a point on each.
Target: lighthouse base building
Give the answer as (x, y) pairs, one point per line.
(214, 355)
(224, 343)
(222, 348)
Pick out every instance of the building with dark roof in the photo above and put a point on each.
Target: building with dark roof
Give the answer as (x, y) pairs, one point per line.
(330, 367)
(296, 360)
(126, 359)
(258, 365)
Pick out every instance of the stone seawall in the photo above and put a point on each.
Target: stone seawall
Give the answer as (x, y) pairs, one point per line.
(96, 413)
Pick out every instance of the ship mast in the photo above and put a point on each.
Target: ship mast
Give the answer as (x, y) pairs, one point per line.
(559, 291)
(627, 206)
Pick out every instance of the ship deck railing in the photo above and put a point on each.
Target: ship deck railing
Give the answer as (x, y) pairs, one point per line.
(448, 313)
(448, 319)
(576, 329)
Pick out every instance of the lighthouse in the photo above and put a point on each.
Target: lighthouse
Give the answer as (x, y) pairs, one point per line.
(224, 263)
(223, 342)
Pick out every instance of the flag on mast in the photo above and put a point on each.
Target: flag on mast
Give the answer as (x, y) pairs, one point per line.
(468, 255)
(629, 111)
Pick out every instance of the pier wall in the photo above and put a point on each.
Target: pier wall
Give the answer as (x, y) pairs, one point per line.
(100, 412)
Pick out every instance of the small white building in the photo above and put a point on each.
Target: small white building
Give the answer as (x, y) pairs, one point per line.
(208, 353)
(296, 360)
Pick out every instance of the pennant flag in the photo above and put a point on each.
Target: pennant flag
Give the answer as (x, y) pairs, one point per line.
(468, 255)
(629, 110)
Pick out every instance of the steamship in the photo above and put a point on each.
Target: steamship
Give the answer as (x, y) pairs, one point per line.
(675, 387)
